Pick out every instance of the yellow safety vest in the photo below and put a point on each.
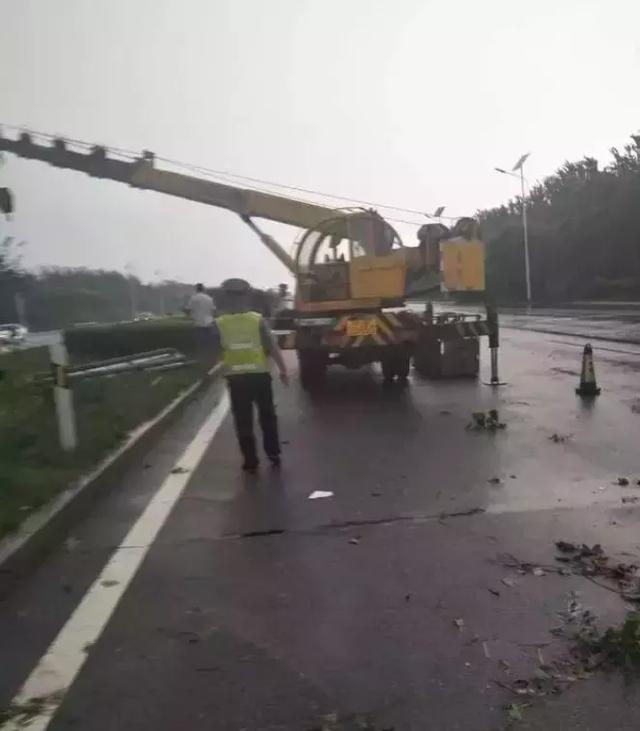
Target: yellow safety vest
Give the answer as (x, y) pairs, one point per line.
(242, 349)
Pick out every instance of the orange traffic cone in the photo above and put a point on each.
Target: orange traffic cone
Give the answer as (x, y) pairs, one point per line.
(588, 385)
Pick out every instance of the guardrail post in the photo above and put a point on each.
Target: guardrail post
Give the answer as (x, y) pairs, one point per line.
(62, 394)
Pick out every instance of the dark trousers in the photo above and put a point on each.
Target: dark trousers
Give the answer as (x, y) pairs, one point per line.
(205, 345)
(245, 391)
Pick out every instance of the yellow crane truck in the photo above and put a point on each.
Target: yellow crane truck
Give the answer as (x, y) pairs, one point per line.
(353, 274)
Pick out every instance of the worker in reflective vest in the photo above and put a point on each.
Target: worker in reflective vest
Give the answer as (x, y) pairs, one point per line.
(246, 347)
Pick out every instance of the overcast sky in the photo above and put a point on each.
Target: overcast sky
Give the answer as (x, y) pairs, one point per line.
(409, 103)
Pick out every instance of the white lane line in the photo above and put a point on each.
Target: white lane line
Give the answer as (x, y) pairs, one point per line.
(58, 668)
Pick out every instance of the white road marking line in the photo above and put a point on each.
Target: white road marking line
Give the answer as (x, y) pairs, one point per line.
(58, 668)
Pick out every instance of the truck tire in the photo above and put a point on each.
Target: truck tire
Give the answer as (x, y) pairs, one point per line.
(403, 366)
(313, 369)
(388, 370)
(396, 364)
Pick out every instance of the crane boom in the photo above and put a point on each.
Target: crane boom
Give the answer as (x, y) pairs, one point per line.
(142, 173)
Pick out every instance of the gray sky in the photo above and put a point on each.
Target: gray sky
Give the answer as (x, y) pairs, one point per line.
(410, 103)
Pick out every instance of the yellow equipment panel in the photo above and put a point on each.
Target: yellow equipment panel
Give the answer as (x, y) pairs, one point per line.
(462, 264)
(378, 276)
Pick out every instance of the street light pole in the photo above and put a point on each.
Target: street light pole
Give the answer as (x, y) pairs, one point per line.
(525, 229)
(519, 167)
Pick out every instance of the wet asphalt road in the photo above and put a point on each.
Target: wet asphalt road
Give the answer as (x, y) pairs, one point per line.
(618, 322)
(259, 609)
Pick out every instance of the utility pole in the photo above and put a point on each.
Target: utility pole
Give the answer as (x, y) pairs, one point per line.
(519, 168)
(525, 229)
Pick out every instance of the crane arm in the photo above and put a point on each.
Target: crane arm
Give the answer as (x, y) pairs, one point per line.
(143, 174)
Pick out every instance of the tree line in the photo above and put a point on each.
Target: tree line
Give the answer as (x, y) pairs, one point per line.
(584, 233)
(58, 297)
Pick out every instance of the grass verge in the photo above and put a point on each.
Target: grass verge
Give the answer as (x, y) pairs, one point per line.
(33, 469)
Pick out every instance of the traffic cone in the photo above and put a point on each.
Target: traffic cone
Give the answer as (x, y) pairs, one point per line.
(588, 385)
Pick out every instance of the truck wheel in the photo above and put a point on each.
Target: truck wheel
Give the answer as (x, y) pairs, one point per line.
(396, 365)
(388, 370)
(403, 366)
(313, 369)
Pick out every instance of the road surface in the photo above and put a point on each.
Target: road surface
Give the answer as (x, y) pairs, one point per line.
(619, 322)
(239, 603)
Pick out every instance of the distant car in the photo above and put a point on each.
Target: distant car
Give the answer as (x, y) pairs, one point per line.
(12, 333)
(144, 316)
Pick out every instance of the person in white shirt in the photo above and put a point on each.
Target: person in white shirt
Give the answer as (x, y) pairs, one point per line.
(202, 311)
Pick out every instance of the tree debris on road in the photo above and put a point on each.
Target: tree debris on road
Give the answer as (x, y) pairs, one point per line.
(489, 421)
(560, 438)
(591, 562)
(179, 470)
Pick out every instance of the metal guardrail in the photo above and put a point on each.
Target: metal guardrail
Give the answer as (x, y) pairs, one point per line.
(152, 360)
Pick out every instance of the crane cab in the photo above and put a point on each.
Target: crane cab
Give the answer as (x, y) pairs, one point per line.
(355, 260)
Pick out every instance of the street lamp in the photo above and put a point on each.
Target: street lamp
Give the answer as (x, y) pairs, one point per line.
(517, 171)
(437, 214)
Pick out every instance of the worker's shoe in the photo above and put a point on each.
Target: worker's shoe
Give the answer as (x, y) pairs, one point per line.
(276, 462)
(250, 466)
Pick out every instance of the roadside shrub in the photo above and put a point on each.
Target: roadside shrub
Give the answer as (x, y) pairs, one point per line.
(97, 342)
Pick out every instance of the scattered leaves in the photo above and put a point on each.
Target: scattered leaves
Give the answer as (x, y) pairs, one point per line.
(22, 714)
(618, 648)
(566, 547)
(560, 438)
(489, 421)
(514, 711)
(592, 562)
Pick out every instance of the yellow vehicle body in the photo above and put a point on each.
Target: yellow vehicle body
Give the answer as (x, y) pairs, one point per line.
(380, 277)
(462, 265)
